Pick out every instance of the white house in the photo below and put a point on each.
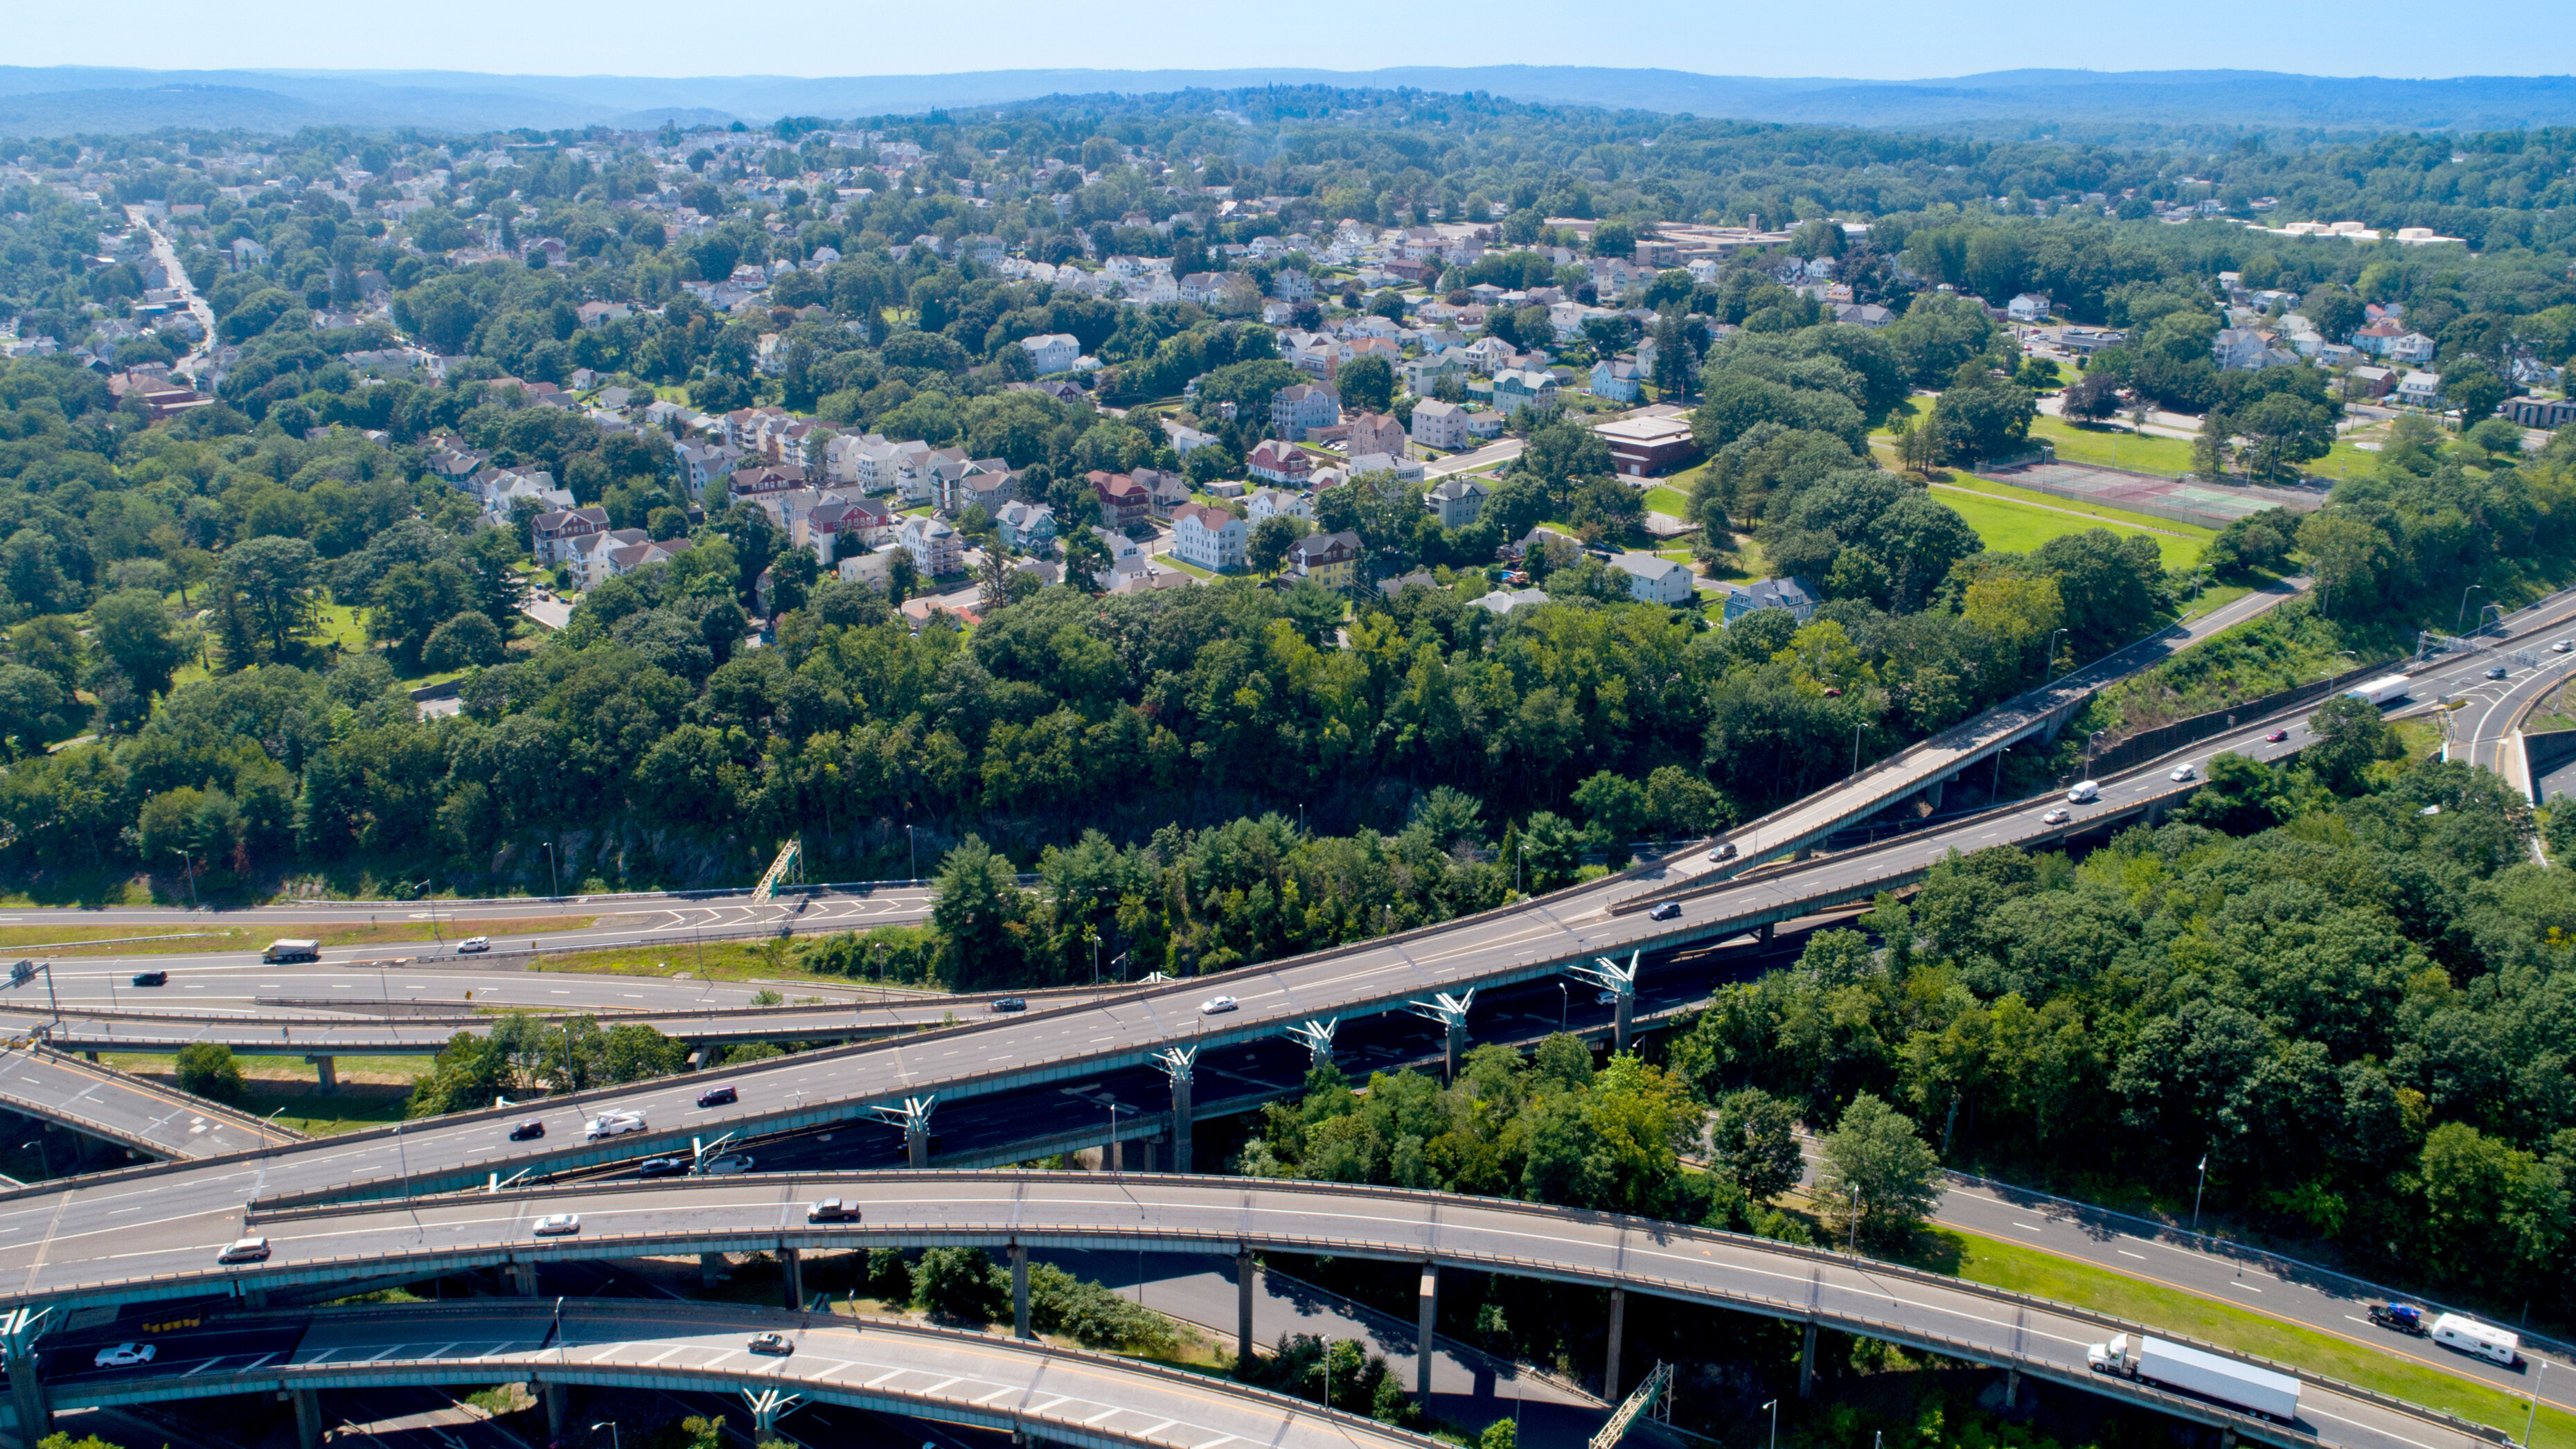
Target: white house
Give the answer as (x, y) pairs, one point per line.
(2028, 308)
(1439, 425)
(1654, 580)
(1273, 502)
(1209, 537)
(1053, 352)
(2422, 389)
(934, 546)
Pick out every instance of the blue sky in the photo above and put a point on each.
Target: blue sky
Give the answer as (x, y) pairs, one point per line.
(1878, 39)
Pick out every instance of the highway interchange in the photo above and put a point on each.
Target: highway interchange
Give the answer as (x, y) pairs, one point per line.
(1079, 1044)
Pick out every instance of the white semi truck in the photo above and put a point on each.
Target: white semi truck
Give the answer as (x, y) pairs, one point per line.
(2381, 690)
(2173, 1366)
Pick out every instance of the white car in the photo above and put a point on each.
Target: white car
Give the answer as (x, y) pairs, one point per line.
(244, 1250)
(1218, 1005)
(473, 945)
(612, 1124)
(125, 1355)
(2562, 646)
(2058, 816)
(555, 1225)
(727, 1165)
(2180, 772)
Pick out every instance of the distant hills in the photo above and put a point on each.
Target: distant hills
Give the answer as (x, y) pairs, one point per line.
(59, 99)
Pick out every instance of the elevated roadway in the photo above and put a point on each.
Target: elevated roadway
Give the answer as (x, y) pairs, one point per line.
(160, 1121)
(160, 1257)
(1527, 941)
(1063, 1396)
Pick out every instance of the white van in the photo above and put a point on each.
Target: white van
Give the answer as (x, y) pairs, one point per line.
(2085, 793)
(2470, 1336)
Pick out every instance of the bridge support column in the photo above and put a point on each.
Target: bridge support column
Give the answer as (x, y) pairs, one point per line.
(702, 1055)
(1148, 1152)
(523, 1279)
(330, 1072)
(1019, 1291)
(308, 1418)
(1620, 1018)
(35, 1409)
(2012, 1389)
(791, 1278)
(1764, 932)
(558, 1399)
(1242, 1309)
(1618, 1331)
(91, 1056)
(1181, 1112)
(1807, 1364)
(916, 1144)
(1428, 1326)
(711, 1269)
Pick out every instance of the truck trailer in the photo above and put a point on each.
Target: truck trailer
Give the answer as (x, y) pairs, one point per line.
(2173, 1366)
(2381, 690)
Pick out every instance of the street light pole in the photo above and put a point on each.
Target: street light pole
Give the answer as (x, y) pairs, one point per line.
(1856, 729)
(554, 878)
(192, 876)
(1774, 1407)
(2461, 615)
(1995, 791)
(2196, 1191)
(611, 1427)
(2051, 671)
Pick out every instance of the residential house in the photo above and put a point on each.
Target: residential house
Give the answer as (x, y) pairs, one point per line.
(1277, 462)
(551, 533)
(1427, 374)
(1291, 285)
(841, 527)
(1302, 406)
(2420, 389)
(1122, 502)
(2411, 350)
(1616, 378)
(587, 555)
(1439, 424)
(1867, 315)
(1209, 537)
(2242, 349)
(1457, 501)
(626, 558)
(1273, 502)
(1186, 440)
(1654, 579)
(1407, 468)
(1517, 388)
(1503, 601)
(1648, 447)
(1330, 559)
(1164, 491)
(1025, 527)
(2030, 308)
(1796, 595)
(2376, 338)
(1126, 558)
(2370, 382)
(501, 489)
(1375, 433)
(746, 485)
(935, 547)
(1053, 352)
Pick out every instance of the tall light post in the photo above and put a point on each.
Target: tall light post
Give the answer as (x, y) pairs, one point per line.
(1856, 729)
(2461, 616)
(2196, 1191)
(554, 878)
(611, 1427)
(2051, 661)
(1995, 791)
(2533, 1420)
(43, 1155)
(191, 864)
(915, 847)
(1562, 998)
(1774, 1407)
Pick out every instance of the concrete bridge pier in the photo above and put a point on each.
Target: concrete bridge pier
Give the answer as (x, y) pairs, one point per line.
(1618, 1331)
(1242, 1307)
(558, 1399)
(35, 1408)
(711, 1269)
(791, 1278)
(329, 1069)
(1019, 1291)
(1807, 1363)
(1428, 1326)
(308, 1418)
(523, 1279)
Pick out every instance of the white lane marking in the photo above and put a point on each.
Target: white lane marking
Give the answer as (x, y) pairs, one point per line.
(1156, 1429)
(2248, 1287)
(1103, 1414)
(2025, 1227)
(943, 1383)
(2125, 1253)
(2356, 1423)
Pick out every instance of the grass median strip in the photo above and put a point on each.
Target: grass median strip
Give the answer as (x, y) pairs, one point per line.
(134, 941)
(2044, 1274)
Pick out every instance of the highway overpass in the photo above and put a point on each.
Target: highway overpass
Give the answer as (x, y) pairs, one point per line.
(158, 1255)
(1062, 1396)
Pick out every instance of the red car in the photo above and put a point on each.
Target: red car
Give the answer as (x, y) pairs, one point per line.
(2276, 737)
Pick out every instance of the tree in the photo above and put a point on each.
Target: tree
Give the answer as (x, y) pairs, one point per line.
(134, 630)
(2212, 447)
(1878, 1177)
(1271, 539)
(1366, 384)
(1753, 1136)
(2474, 390)
(2092, 398)
(1982, 416)
(206, 1069)
(2350, 736)
(979, 900)
(463, 642)
(2336, 312)
(269, 577)
(959, 1284)
(2282, 431)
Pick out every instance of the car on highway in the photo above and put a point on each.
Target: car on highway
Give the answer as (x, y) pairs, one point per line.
(244, 1250)
(2498, 672)
(2562, 646)
(2084, 793)
(125, 1355)
(1664, 911)
(726, 1166)
(1218, 1005)
(775, 1344)
(1009, 1003)
(612, 1124)
(473, 945)
(2276, 737)
(662, 1167)
(718, 1097)
(151, 978)
(533, 1127)
(2058, 816)
(833, 1210)
(1725, 851)
(556, 1225)
(2180, 772)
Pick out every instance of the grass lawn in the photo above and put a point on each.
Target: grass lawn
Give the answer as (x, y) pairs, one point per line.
(1185, 566)
(2067, 1280)
(2345, 460)
(1668, 500)
(2007, 524)
(706, 961)
(2114, 448)
(2105, 512)
(59, 939)
(2555, 711)
(1750, 565)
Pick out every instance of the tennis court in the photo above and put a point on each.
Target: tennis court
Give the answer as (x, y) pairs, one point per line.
(2181, 499)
